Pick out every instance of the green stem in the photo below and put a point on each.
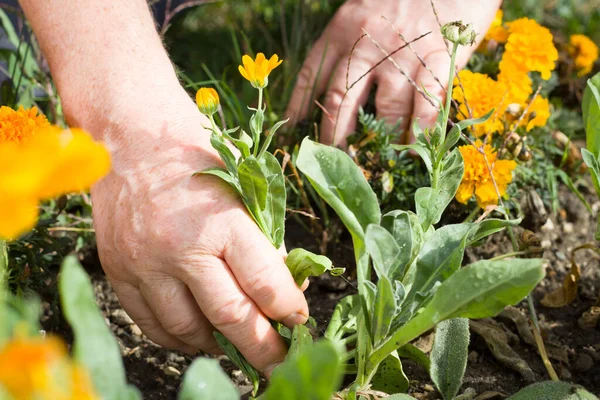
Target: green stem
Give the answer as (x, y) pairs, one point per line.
(3, 264)
(449, 91)
(472, 215)
(214, 125)
(350, 339)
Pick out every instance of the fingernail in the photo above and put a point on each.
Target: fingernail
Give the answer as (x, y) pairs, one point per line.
(294, 319)
(269, 370)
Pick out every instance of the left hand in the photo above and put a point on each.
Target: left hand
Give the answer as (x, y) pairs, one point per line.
(396, 97)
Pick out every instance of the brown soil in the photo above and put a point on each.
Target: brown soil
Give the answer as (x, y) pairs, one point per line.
(157, 372)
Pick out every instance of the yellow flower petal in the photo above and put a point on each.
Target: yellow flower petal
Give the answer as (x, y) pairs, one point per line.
(17, 216)
(260, 58)
(257, 71)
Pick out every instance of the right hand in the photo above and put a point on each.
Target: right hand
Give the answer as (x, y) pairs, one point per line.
(181, 252)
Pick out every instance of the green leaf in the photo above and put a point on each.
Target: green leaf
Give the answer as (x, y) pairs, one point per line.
(313, 373)
(224, 152)
(384, 310)
(414, 353)
(490, 226)
(343, 319)
(239, 360)
(571, 185)
(430, 203)
(94, 346)
(274, 212)
(389, 259)
(205, 380)
(592, 162)
(452, 138)
(449, 355)
(243, 144)
(224, 175)
(439, 258)
(406, 229)
(341, 183)
(272, 132)
(302, 264)
(419, 149)
(256, 127)
(390, 377)
(591, 114)
(301, 339)
(550, 390)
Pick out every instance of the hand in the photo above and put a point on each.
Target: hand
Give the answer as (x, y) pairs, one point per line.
(396, 97)
(181, 252)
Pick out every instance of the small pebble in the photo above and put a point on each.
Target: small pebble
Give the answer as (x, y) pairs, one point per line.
(171, 371)
(548, 226)
(473, 357)
(565, 374)
(427, 387)
(135, 330)
(121, 318)
(584, 362)
(546, 244)
(561, 256)
(568, 227)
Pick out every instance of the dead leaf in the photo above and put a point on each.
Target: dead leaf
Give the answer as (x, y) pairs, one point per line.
(590, 318)
(565, 294)
(497, 341)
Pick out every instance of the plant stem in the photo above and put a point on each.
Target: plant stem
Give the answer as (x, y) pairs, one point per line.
(214, 125)
(3, 264)
(449, 90)
(507, 255)
(472, 215)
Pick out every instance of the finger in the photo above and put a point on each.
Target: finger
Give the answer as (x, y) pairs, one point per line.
(343, 105)
(394, 97)
(262, 274)
(312, 78)
(305, 285)
(176, 309)
(135, 306)
(230, 311)
(423, 109)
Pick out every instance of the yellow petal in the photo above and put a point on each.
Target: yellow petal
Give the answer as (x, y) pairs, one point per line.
(465, 192)
(247, 61)
(260, 58)
(243, 72)
(17, 215)
(274, 62)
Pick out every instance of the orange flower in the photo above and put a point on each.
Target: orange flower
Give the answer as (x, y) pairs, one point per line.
(207, 100)
(477, 179)
(257, 71)
(16, 125)
(497, 31)
(39, 369)
(585, 53)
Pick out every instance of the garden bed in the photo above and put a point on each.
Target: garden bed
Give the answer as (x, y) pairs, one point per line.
(157, 372)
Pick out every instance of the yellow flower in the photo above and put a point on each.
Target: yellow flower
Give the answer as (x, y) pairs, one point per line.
(585, 53)
(49, 163)
(257, 71)
(207, 100)
(482, 94)
(16, 125)
(516, 83)
(497, 31)
(537, 114)
(477, 179)
(529, 47)
(37, 368)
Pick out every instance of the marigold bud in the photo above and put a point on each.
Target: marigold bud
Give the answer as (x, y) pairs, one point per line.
(207, 100)
(458, 33)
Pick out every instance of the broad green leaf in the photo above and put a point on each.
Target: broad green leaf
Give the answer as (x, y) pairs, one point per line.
(591, 114)
(269, 137)
(274, 212)
(224, 152)
(390, 377)
(419, 135)
(592, 162)
(406, 229)
(239, 360)
(302, 264)
(256, 127)
(414, 353)
(384, 310)
(388, 258)
(313, 373)
(419, 149)
(439, 258)
(343, 319)
(224, 175)
(94, 345)
(431, 202)
(479, 290)
(341, 183)
(243, 143)
(205, 380)
(301, 339)
(490, 226)
(550, 390)
(449, 356)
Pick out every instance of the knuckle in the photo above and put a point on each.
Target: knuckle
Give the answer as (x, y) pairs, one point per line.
(335, 97)
(185, 328)
(232, 313)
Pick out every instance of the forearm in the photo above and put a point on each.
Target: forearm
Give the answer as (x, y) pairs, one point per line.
(104, 57)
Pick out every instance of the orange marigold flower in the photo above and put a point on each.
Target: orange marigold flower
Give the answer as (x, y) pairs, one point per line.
(537, 114)
(482, 94)
(477, 179)
(37, 368)
(585, 53)
(51, 162)
(516, 83)
(16, 125)
(497, 31)
(257, 71)
(529, 47)
(207, 100)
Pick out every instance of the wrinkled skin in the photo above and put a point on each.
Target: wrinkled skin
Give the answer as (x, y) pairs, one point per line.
(395, 97)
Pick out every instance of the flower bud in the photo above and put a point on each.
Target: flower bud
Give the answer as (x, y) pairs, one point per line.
(207, 100)
(458, 33)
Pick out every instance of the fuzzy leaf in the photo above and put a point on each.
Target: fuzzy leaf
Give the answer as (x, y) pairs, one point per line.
(224, 152)
(205, 380)
(390, 377)
(449, 355)
(384, 310)
(550, 390)
(388, 258)
(591, 114)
